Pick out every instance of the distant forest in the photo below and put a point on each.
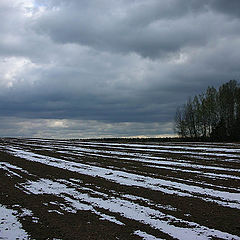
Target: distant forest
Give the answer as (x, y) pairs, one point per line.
(213, 115)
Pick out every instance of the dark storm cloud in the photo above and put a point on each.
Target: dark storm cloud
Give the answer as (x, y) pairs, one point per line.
(231, 7)
(110, 67)
(151, 29)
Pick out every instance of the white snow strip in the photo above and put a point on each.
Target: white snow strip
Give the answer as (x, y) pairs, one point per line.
(176, 163)
(170, 149)
(11, 169)
(46, 186)
(26, 212)
(209, 148)
(146, 236)
(206, 174)
(55, 211)
(144, 158)
(133, 211)
(10, 227)
(224, 198)
(110, 219)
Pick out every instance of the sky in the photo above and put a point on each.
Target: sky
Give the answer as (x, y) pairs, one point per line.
(110, 68)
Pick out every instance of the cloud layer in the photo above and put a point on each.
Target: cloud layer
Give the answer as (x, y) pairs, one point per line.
(123, 63)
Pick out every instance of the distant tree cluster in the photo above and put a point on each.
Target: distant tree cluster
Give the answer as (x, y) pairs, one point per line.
(214, 114)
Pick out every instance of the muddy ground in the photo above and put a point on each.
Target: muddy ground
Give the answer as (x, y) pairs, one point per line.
(58, 189)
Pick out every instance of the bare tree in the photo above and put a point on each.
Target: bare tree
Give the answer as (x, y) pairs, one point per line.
(214, 113)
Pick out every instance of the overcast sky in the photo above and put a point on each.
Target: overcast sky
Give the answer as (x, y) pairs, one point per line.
(110, 68)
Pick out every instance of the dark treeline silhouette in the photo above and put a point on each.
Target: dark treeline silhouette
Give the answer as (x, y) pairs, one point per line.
(212, 115)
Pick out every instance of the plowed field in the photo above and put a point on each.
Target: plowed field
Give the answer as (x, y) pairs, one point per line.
(57, 189)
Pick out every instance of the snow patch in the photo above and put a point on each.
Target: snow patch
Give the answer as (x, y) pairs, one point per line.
(10, 227)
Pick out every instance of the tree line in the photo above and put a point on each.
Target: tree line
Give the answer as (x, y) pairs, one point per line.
(212, 115)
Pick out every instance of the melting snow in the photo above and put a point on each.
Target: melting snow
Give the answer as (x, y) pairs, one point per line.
(129, 179)
(146, 236)
(154, 218)
(10, 227)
